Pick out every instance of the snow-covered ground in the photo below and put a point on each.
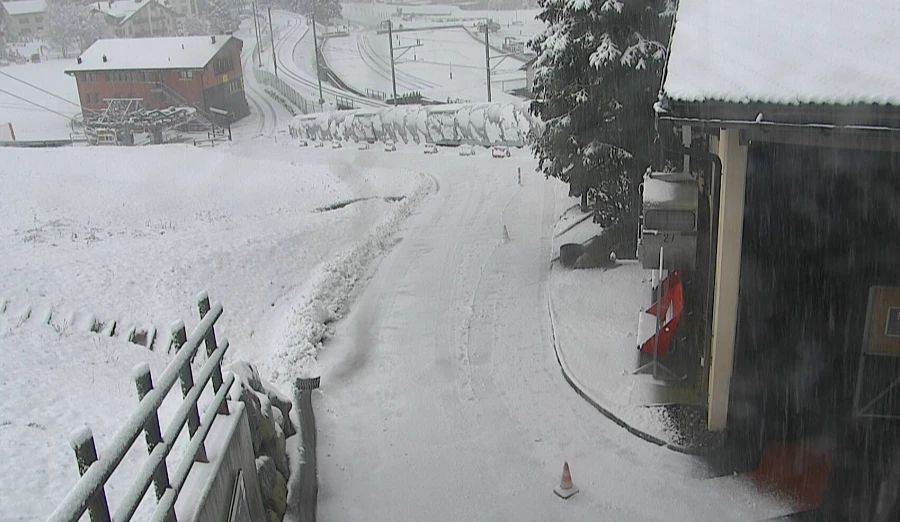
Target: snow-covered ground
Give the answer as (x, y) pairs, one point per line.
(131, 234)
(54, 92)
(448, 65)
(441, 396)
(55, 379)
(442, 381)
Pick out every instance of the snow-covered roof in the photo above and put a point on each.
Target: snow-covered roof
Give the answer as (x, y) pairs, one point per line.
(176, 52)
(785, 52)
(121, 9)
(24, 7)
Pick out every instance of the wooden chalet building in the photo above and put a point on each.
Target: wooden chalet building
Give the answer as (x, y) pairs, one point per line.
(137, 18)
(203, 72)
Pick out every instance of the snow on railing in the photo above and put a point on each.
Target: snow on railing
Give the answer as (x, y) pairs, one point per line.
(497, 123)
(284, 89)
(88, 493)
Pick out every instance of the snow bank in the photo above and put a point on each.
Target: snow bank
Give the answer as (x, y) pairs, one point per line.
(329, 293)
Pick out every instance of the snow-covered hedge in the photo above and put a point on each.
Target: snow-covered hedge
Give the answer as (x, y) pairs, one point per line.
(506, 123)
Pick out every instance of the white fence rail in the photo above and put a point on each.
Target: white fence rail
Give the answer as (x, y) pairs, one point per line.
(88, 493)
(268, 79)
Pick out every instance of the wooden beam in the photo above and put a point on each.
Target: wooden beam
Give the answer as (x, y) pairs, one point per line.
(728, 274)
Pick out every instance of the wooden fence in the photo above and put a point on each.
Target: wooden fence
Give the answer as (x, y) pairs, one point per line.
(88, 493)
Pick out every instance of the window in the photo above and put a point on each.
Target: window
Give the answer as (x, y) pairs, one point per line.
(185, 75)
(38, 19)
(222, 65)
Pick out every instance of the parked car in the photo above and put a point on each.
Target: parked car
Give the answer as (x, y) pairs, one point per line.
(389, 146)
(336, 144)
(500, 151)
(466, 150)
(431, 148)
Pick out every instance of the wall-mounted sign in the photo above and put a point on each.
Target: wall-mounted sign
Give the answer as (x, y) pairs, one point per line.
(240, 510)
(892, 329)
(883, 321)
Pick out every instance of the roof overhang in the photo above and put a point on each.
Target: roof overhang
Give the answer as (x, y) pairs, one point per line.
(861, 126)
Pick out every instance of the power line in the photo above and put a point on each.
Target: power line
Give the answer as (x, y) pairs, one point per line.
(33, 86)
(48, 109)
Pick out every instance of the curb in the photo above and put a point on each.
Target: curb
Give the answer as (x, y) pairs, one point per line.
(306, 501)
(579, 389)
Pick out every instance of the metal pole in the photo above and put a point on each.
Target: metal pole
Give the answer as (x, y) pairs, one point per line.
(316, 46)
(272, 36)
(393, 75)
(487, 55)
(258, 41)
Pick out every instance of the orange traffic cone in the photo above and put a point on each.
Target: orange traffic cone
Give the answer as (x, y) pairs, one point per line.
(566, 488)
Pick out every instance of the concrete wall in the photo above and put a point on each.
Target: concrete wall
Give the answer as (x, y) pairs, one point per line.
(235, 453)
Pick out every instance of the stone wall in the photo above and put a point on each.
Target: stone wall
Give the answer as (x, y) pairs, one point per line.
(268, 413)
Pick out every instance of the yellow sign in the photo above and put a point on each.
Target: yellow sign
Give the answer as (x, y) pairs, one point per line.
(225, 78)
(883, 322)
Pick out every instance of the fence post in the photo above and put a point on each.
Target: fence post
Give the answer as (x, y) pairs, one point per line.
(186, 377)
(211, 345)
(82, 441)
(152, 434)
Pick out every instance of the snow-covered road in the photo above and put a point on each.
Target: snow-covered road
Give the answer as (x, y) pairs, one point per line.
(441, 398)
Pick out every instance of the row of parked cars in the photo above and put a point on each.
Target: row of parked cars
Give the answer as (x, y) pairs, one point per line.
(497, 151)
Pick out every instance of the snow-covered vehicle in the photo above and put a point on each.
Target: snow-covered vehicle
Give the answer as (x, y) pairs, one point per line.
(499, 151)
(336, 144)
(431, 148)
(364, 146)
(466, 150)
(319, 144)
(389, 146)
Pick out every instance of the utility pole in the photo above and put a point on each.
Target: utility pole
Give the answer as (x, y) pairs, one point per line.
(393, 74)
(487, 55)
(272, 36)
(316, 46)
(258, 41)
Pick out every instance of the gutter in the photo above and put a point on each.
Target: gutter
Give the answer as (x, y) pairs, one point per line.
(759, 123)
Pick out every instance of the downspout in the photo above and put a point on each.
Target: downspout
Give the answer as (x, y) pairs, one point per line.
(715, 187)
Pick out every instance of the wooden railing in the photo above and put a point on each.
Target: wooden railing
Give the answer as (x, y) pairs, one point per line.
(88, 493)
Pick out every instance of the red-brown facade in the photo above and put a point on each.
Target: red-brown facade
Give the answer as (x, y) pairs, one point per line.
(219, 84)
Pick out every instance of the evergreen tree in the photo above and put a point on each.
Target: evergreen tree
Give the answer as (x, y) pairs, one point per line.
(326, 10)
(193, 26)
(597, 76)
(221, 16)
(70, 23)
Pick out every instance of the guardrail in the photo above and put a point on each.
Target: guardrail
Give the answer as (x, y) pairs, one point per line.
(268, 79)
(88, 493)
